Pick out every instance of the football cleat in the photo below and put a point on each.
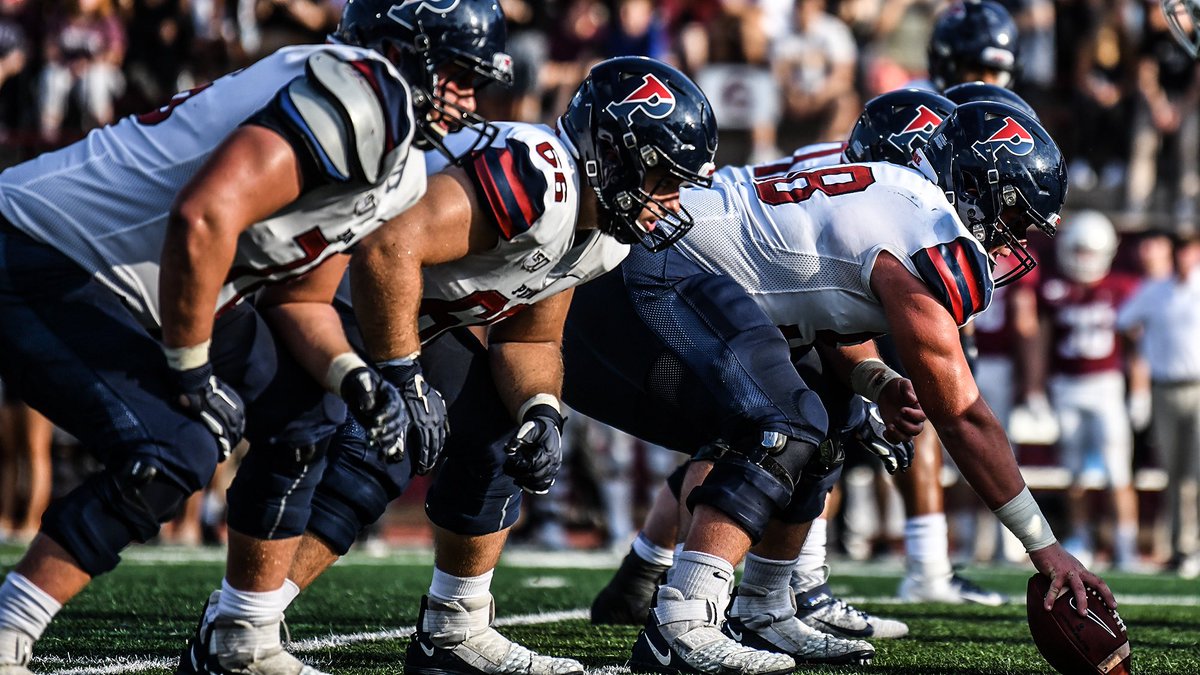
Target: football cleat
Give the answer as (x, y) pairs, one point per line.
(767, 620)
(195, 652)
(952, 589)
(238, 647)
(16, 649)
(683, 635)
(627, 597)
(457, 638)
(818, 608)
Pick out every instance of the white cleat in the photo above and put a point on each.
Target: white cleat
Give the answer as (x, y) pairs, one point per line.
(952, 589)
(819, 608)
(16, 649)
(457, 638)
(237, 647)
(684, 636)
(767, 620)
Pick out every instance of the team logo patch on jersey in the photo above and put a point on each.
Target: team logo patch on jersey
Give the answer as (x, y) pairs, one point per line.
(652, 97)
(1012, 137)
(923, 123)
(439, 6)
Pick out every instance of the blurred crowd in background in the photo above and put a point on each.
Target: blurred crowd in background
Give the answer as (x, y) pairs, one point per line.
(1121, 99)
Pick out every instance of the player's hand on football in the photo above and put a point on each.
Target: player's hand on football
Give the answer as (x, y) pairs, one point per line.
(214, 403)
(1065, 571)
(535, 450)
(900, 411)
(870, 434)
(379, 408)
(426, 411)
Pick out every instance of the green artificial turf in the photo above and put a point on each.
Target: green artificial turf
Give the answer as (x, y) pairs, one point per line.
(137, 618)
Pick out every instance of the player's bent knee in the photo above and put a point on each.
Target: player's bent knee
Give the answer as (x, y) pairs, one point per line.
(271, 495)
(113, 508)
(356, 489)
(808, 499)
(464, 506)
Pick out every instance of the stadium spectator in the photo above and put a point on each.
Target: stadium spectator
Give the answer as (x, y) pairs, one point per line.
(1164, 312)
(84, 50)
(289, 22)
(160, 42)
(1104, 61)
(815, 67)
(637, 31)
(1168, 87)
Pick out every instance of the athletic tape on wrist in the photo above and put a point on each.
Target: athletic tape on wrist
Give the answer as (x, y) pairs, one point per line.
(869, 378)
(339, 367)
(1022, 516)
(539, 399)
(402, 361)
(186, 358)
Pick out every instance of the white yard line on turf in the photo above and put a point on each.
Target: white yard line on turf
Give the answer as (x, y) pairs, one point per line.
(113, 666)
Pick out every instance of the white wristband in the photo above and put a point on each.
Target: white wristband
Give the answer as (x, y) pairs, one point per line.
(1022, 516)
(339, 367)
(539, 399)
(402, 361)
(869, 378)
(186, 358)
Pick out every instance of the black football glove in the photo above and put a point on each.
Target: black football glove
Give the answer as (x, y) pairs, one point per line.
(426, 411)
(214, 403)
(869, 434)
(378, 407)
(535, 450)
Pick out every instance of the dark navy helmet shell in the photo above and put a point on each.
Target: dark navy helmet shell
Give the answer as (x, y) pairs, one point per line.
(631, 117)
(969, 92)
(970, 36)
(1003, 174)
(432, 40)
(894, 124)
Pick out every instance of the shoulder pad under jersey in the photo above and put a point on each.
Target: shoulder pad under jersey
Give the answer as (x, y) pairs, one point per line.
(959, 275)
(351, 112)
(522, 179)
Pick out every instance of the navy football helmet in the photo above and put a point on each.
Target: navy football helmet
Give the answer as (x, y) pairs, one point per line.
(894, 124)
(427, 40)
(968, 92)
(631, 117)
(1183, 18)
(1002, 172)
(972, 35)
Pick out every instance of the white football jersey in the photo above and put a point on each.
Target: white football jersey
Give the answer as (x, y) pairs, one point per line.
(526, 180)
(804, 244)
(104, 201)
(806, 157)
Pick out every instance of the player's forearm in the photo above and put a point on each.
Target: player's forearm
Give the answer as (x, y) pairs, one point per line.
(197, 255)
(981, 450)
(386, 287)
(312, 333)
(523, 370)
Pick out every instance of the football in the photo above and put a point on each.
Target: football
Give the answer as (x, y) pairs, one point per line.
(1073, 644)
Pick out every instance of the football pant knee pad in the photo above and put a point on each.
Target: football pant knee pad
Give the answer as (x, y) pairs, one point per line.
(112, 508)
(356, 488)
(271, 495)
(808, 499)
(471, 494)
(753, 483)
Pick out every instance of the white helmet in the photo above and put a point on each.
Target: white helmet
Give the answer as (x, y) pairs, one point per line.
(1183, 17)
(1086, 247)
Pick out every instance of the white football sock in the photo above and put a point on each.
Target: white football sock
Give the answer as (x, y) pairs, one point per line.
(927, 545)
(253, 606)
(767, 573)
(651, 552)
(701, 575)
(813, 552)
(290, 590)
(24, 607)
(448, 588)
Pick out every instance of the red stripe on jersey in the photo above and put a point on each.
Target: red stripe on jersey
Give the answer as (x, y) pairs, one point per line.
(836, 150)
(492, 192)
(968, 272)
(518, 189)
(951, 286)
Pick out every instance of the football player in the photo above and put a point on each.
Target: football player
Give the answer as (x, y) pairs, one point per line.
(689, 346)
(889, 129)
(498, 242)
(1078, 308)
(972, 41)
(125, 260)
